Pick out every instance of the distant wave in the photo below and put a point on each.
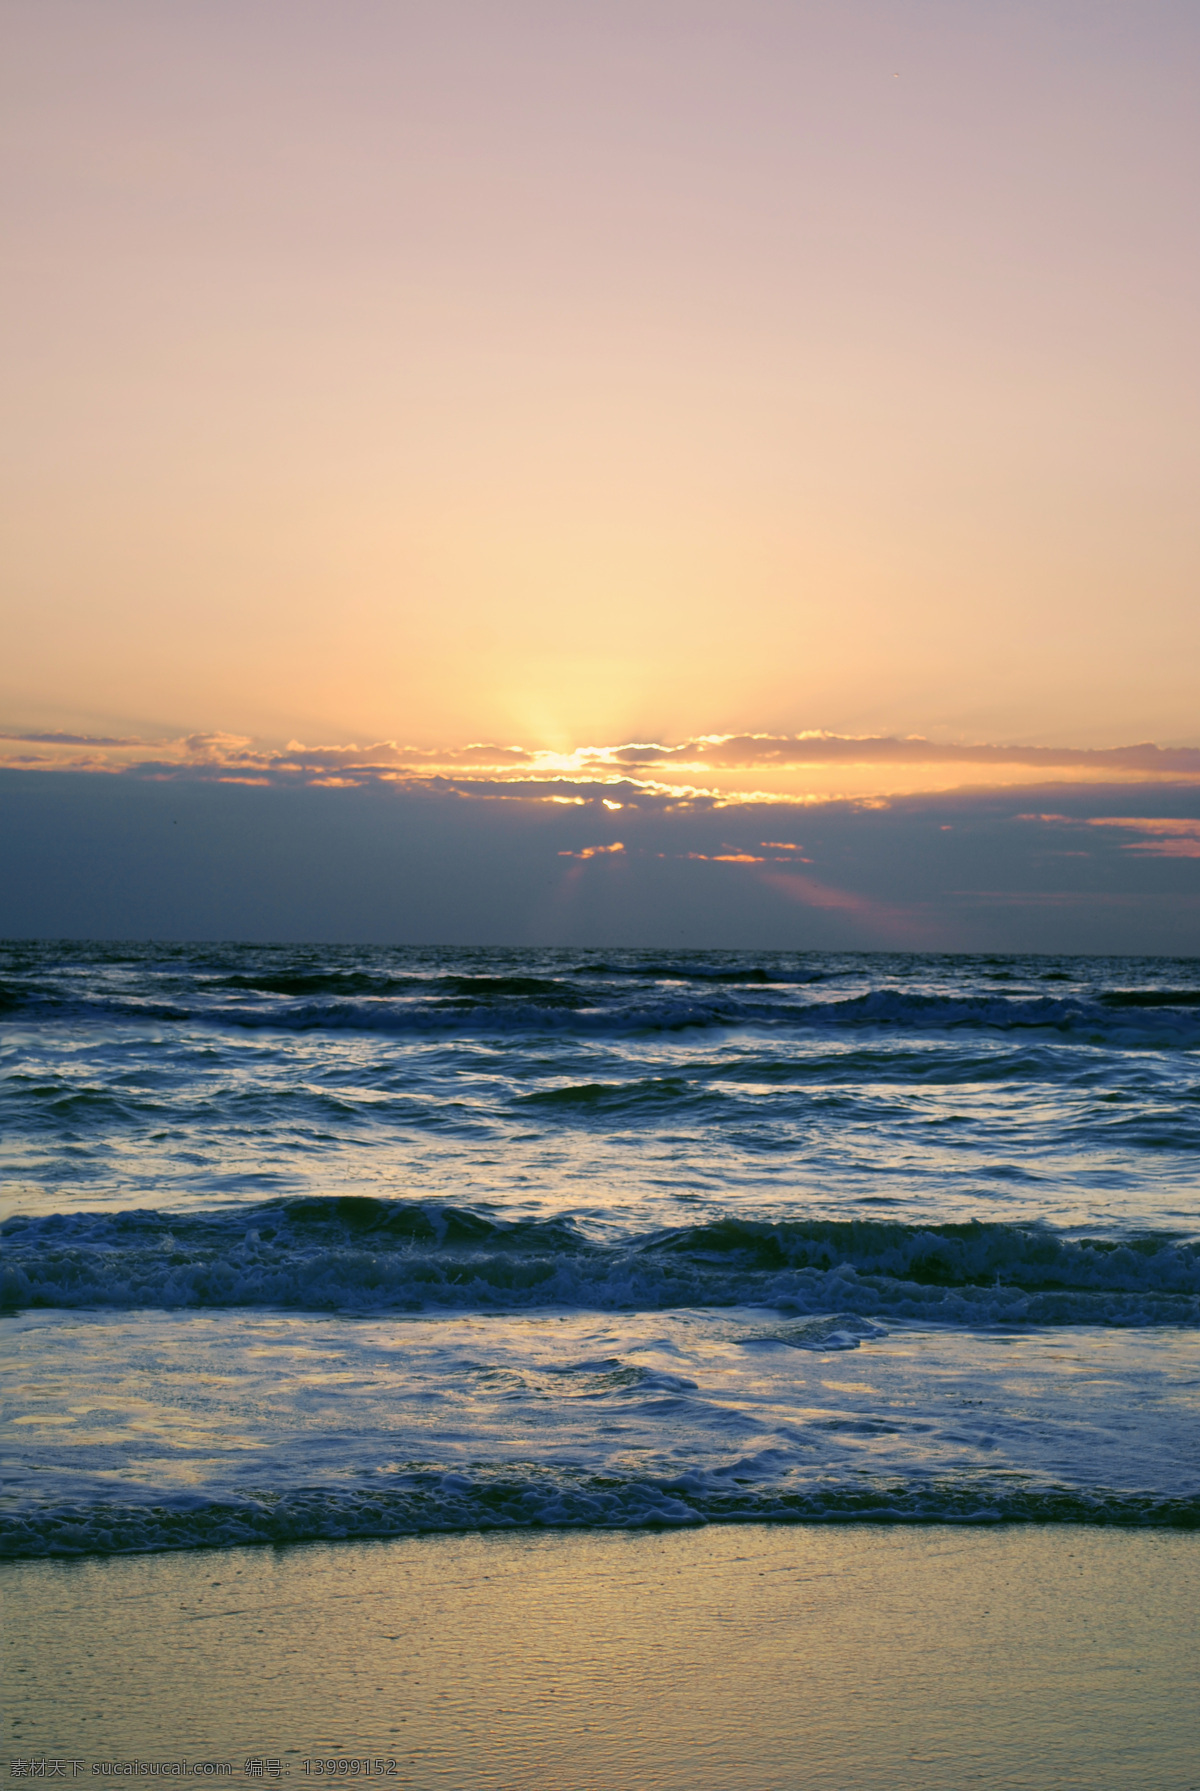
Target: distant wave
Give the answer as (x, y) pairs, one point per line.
(1151, 998)
(760, 975)
(357, 1253)
(318, 982)
(470, 1006)
(423, 1500)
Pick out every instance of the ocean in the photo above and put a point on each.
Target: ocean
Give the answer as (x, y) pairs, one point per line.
(321, 1243)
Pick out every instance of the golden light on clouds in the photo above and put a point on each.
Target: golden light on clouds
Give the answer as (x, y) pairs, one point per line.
(733, 770)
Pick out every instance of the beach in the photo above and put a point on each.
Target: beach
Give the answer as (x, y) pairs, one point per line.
(746, 1658)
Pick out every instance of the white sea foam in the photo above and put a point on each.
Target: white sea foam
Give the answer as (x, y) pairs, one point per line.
(150, 1431)
(440, 1502)
(360, 1254)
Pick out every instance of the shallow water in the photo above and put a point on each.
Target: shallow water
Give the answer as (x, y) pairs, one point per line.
(328, 1241)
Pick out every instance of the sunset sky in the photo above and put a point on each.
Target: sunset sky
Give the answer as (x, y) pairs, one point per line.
(659, 414)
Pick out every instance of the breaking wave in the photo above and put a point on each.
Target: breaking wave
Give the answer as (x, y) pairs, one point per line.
(361, 1254)
(423, 1500)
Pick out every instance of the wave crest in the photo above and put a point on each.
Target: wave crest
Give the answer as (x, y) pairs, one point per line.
(359, 1253)
(516, 1006)
(428, 1500)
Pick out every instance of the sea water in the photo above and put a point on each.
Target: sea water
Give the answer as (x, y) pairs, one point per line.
(327, 1242)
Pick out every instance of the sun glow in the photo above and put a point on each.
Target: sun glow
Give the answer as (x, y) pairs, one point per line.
(714, 769)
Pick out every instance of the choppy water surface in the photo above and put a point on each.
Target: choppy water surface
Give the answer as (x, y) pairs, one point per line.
(322, 1241)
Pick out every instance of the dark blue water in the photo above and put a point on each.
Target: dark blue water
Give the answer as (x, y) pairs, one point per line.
(339, 1240)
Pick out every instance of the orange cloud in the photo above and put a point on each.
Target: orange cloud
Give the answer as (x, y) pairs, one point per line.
(727, 770)
(726, 857)
(1171, 837)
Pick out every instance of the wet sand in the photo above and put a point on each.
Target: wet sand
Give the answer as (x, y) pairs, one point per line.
(734, 1659)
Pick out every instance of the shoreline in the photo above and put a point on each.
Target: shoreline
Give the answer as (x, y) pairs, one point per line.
(731, 1658)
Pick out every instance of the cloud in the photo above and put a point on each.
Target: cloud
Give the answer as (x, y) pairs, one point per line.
(821, 748)
(732, 769)
(1170, 837)
(60, 739)
(237, 853)
(494, 842)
